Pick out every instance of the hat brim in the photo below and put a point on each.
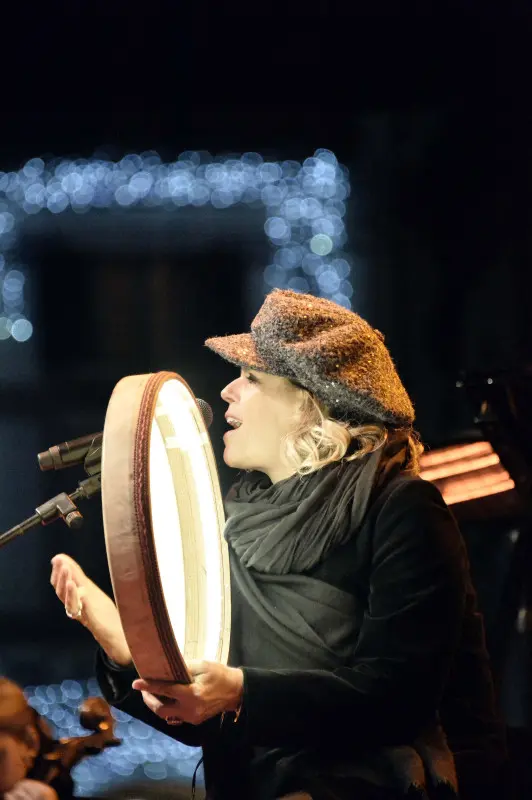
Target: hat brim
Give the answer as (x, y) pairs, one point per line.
(238, 349)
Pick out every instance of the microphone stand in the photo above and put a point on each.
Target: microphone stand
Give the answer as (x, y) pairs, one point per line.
(63, 506)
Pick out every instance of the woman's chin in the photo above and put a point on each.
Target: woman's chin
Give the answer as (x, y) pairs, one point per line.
(231, 459)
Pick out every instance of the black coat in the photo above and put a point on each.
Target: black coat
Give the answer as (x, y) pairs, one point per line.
(418, 651)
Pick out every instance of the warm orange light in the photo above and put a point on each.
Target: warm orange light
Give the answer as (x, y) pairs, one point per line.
(447, 454)
(466, 472)
(452, 496)
(460, 467)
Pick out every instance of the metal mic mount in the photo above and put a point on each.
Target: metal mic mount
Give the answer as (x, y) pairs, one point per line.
(86, 450)
(64, 506)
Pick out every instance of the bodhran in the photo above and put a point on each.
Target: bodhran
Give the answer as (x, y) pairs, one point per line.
(163, 520)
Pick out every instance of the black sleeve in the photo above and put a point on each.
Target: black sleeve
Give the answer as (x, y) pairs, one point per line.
(406, 643)
(115, 683)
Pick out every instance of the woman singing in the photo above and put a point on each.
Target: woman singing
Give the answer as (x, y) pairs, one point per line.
(357, 667)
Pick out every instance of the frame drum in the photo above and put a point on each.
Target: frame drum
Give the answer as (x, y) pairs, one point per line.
(163, 520)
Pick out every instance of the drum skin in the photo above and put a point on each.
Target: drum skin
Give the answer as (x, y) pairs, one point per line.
(138, 578)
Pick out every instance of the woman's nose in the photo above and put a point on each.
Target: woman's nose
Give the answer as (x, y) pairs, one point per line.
(229, 393)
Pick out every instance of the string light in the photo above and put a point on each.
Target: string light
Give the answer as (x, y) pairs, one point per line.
(145, 754)
(304, 206)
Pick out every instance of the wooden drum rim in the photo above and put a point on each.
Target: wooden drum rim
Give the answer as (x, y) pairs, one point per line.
(129, 535)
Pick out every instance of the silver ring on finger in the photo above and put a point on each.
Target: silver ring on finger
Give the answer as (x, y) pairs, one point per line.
(78, 613)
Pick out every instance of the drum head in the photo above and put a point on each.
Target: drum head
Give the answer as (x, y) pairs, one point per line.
(163, 519)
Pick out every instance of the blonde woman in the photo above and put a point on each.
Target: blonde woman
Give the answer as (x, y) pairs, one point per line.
(357, 665)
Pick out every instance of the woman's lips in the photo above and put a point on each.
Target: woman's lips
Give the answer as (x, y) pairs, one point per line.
(228, 433)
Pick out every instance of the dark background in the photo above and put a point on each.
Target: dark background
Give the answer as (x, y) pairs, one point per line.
(429, 107)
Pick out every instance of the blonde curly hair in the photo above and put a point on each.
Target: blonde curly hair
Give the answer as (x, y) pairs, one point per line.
(317, 439)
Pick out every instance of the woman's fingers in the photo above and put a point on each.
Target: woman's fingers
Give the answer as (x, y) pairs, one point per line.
(72, 599)
(58, 562)
(58, 581)
(62, 561)
(65, 569)
(64, 576)
(57, 565)
(174, 701)
(55, 570)
(163, 710)
(171, 691)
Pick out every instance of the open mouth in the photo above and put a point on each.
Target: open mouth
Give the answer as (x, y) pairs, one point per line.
(234, 423)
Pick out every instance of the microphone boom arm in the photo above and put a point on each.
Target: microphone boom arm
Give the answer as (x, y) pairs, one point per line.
(86, 449)
(62, 506)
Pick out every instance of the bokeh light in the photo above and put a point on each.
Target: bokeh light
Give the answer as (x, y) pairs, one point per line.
(321, 244)
(304, 206)
(21, 330)
(144, 753)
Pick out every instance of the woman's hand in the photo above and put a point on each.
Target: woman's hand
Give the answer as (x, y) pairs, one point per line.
(31, 790)
(215, 688)
(86, 603)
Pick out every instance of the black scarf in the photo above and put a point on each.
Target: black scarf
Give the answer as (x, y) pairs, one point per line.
(290, 526)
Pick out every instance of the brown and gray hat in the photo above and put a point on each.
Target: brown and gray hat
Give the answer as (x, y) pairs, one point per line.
(326, 348)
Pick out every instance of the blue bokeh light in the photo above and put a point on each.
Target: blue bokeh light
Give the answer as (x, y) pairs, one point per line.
(21, 330)
(321, 244)
(304, 205)
(144, 753)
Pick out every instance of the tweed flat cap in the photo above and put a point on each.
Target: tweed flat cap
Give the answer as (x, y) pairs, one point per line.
(326, 348)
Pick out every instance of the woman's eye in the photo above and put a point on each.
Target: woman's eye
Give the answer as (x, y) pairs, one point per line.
(251, 378)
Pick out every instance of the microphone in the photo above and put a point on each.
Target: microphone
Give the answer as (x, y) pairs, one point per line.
(68, 453)
(75, 451)
(206, 412)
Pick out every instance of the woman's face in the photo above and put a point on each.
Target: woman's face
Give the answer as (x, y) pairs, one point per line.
(267, 408)
(16, 758)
